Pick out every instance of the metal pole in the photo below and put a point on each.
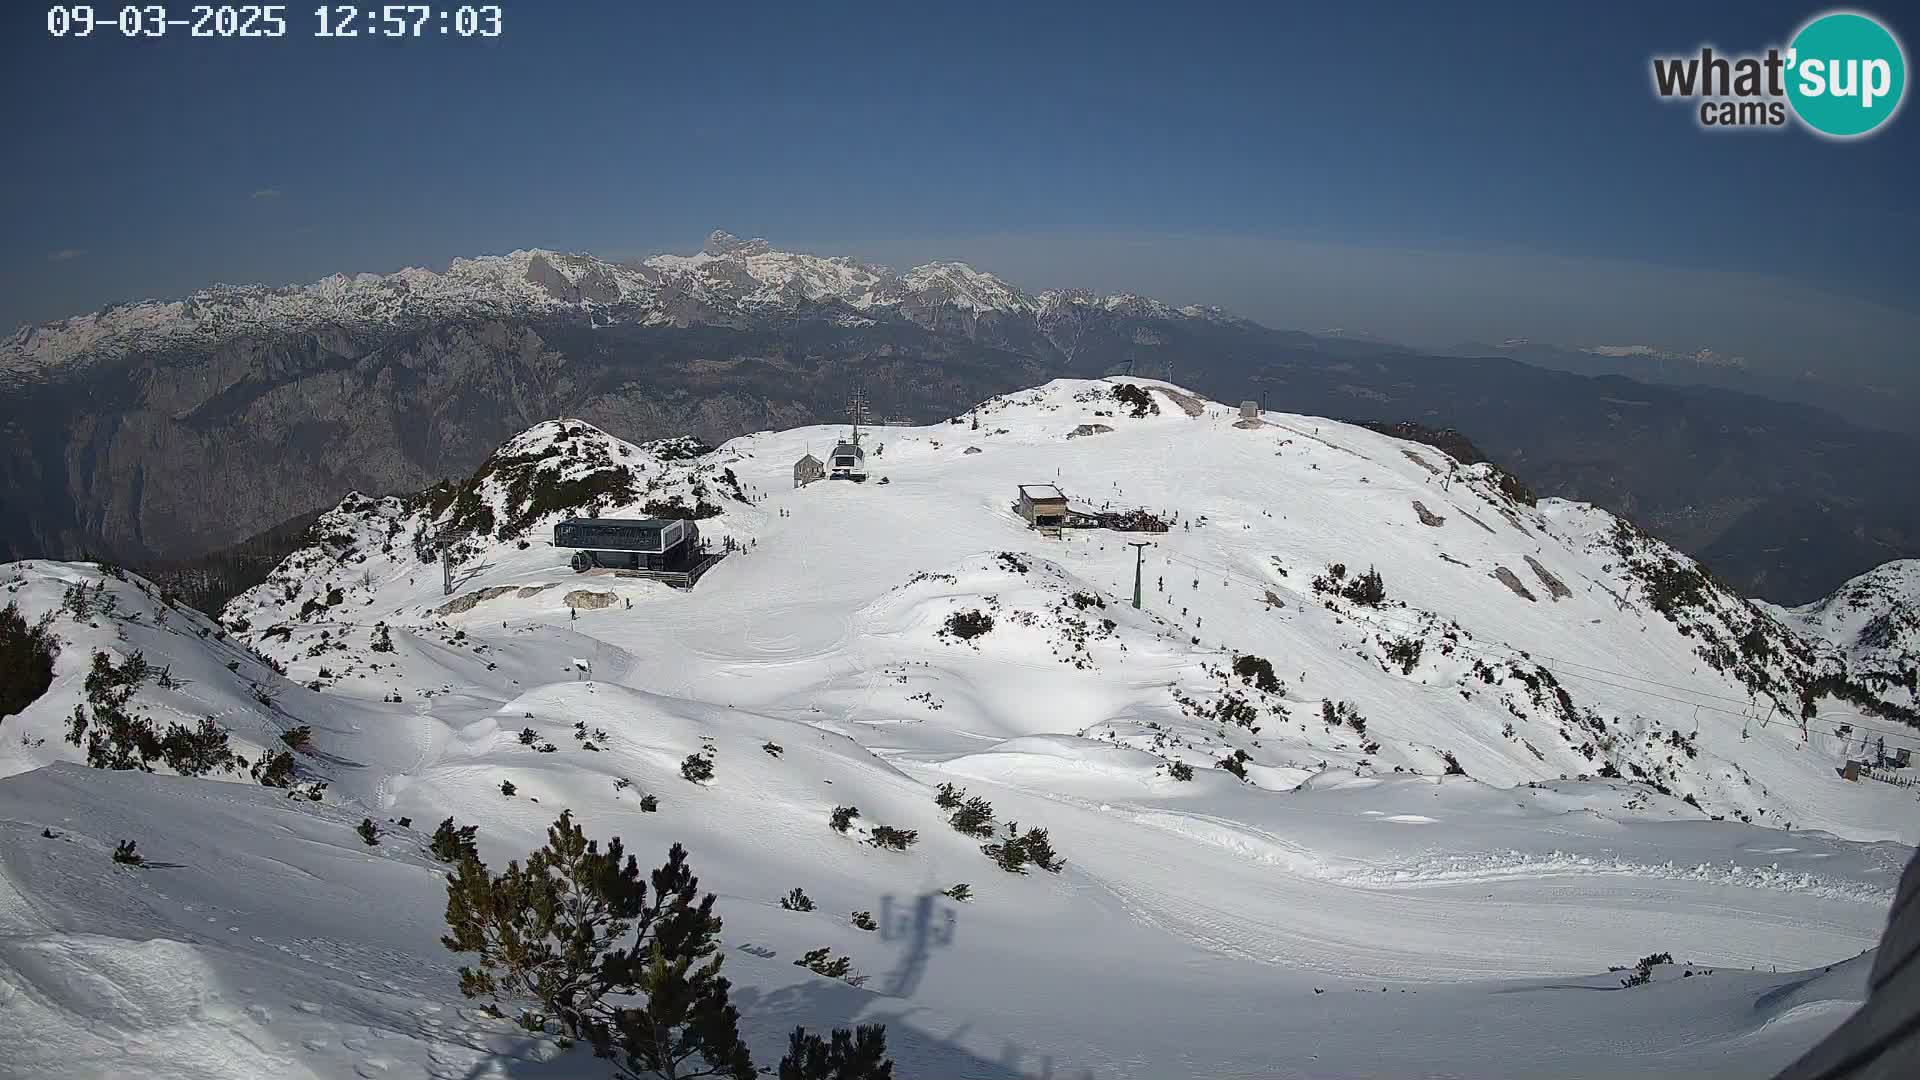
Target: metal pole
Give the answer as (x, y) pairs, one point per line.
(1139, 553)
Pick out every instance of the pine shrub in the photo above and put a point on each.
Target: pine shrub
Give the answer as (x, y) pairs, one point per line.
(576, 930)
(453, 843)
(967, 625)
(973, 818)
(863, 920)
(198, 751)
(114, 734)
(369, 832)
(857, 1055)
(1336, 713)
(823, 962)
(697, 769)
(1021, 850)
(1406, 653)
(842, 819)
(1643, 971)
(275, 771)
(797, 900)
(1257, 672)
(959, 894)
(27, 653)
(1367, 590)
(886, 836)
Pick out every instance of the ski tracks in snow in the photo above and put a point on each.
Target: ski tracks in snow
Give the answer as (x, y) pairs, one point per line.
(1466, 915)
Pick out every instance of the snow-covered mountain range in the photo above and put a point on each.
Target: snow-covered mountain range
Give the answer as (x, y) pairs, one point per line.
(729, 278)
(1389, 753)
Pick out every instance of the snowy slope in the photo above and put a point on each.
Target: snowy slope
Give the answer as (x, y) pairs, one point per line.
(1256, 921)
(1872, 625)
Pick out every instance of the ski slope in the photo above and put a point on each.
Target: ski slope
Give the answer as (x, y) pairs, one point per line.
(1350, 906)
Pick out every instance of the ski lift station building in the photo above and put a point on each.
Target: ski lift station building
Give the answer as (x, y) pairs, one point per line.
(849, 462)
(1043, 505)
(628, 543)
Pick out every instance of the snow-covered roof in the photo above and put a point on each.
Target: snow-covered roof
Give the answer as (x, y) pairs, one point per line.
(1042, 492)
(645, 522)
(848, 448)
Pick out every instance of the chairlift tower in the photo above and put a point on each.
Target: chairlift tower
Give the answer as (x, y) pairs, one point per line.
(1139, 554)
(446, 542)
(856, 411)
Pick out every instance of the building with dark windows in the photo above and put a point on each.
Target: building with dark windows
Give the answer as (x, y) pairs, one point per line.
(1043, 505)
(629, 543)
(849, 462)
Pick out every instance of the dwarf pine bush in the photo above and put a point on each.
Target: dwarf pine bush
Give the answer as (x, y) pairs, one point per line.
(842, 819)
(27, 653)
(1021, 850)
(452, 843)
(596, 953)
(697, 769)
(886, 836)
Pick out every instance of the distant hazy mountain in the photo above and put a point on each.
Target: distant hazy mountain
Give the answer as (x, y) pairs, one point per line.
(1889, 404)
(165, 429)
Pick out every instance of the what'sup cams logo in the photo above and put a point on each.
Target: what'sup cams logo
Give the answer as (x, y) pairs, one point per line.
(1842, 77)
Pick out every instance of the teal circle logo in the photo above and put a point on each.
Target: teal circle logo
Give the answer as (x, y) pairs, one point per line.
(1846, 74)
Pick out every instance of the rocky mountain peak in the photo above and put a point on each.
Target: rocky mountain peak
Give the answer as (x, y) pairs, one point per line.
(722, 242)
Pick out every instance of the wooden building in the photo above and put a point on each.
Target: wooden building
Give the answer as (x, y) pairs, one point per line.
(807, 470)
(1043, 505)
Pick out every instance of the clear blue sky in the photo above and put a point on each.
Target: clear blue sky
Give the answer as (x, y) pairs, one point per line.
(1184, 149)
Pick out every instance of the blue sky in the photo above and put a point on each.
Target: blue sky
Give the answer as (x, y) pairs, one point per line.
(1433, 172)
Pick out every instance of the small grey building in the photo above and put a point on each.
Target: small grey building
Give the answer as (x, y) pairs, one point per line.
(1249, 410)
(807, 470)
(849, 462)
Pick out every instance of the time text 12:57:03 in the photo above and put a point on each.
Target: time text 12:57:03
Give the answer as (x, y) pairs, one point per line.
(271, 21)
